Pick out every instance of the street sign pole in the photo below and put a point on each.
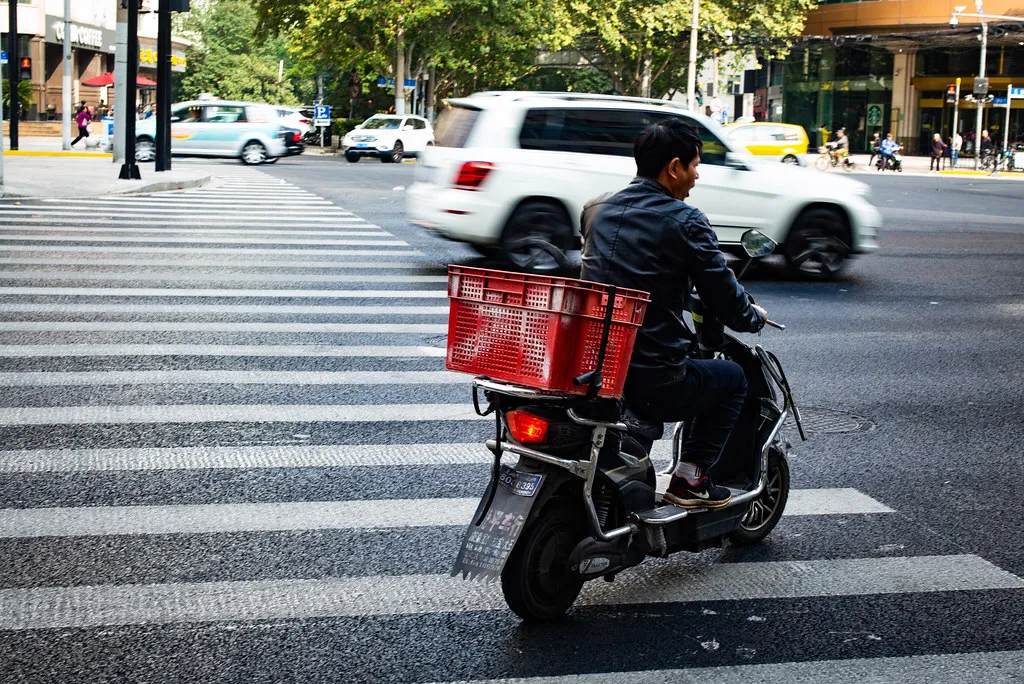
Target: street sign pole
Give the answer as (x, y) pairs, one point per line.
(1006, 129)
(956, 109)
(13, 68)
(163, 88)
(65, 100)
(981, 100)
(130, 168)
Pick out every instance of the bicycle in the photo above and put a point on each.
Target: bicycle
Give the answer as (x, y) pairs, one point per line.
(830, 156)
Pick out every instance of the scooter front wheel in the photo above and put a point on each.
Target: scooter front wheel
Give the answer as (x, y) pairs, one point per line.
(537, 581)
(766, 510)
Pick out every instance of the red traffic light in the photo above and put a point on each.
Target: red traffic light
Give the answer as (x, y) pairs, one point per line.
(26, 62)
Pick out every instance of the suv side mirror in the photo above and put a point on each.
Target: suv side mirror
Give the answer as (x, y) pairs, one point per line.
(736, 161)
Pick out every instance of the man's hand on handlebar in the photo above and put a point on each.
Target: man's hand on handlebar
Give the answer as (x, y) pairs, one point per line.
(761, 310)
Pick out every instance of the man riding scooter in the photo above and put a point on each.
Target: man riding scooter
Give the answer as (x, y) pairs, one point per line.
(645, 237)
(888, 159)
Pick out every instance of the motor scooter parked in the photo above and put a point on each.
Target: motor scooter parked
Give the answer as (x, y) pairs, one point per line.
(583, 501)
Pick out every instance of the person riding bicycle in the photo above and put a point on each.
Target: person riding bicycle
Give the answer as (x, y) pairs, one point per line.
(842, 149)
(889, 148)
(646, 237)
(987, 147)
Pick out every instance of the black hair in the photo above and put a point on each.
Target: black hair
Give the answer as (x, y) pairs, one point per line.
(661, 142)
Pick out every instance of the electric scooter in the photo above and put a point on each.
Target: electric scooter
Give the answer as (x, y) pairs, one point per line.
(583, 500)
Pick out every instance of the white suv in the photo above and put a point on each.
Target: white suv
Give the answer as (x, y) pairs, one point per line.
(511, 172)
(389, 137)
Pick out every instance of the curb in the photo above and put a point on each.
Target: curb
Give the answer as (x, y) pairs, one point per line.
(141, 189)
(33, 153)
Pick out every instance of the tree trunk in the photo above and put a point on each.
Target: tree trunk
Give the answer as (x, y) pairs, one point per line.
(400, 70)
(645, 74)
(431, 85)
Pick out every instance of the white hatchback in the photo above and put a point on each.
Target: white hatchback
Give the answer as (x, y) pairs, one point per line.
(389, 137)
(511, 172)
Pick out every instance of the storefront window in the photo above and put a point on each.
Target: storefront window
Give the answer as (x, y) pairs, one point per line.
(1000, 61)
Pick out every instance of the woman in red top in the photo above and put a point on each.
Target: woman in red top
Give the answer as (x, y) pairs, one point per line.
(84, 118)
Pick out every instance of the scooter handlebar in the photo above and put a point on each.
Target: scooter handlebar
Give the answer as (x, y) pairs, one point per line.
(774, 324)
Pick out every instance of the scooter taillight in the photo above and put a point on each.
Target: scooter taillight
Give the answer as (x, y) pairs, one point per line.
(526, 428)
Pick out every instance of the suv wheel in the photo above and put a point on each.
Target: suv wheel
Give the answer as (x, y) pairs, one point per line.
(145, 149)
(352, 157)
(394, 156)
(254, 153)
(818, 245)
(535, 237)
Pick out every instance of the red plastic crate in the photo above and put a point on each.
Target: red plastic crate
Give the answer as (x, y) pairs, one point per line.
(539, 331)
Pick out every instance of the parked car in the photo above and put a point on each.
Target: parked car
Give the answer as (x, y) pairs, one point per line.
(389, 137)
(511, 172)
(295, 118)
(217, 128)
(784, 141)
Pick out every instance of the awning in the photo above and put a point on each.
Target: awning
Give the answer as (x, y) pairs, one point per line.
(108, 79)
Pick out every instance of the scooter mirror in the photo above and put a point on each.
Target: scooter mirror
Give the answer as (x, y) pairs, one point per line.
(757, 245)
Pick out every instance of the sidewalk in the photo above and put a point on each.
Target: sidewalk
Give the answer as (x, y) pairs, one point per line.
(918, 166)
(40, 169)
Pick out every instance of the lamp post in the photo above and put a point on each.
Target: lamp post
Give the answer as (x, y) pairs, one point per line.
(691, 78)
(958, 12)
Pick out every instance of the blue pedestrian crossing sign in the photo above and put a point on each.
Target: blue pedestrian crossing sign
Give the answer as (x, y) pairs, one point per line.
(3, 57)
(1014, 92)
(322, 113)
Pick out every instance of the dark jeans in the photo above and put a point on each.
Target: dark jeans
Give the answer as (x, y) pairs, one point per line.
(710, 394)
(935, 163)
(83, 132)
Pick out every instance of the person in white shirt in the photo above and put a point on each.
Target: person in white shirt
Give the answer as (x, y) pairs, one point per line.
(958, 142)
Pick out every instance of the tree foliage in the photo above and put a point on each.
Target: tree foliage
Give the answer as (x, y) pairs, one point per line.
(228, 58)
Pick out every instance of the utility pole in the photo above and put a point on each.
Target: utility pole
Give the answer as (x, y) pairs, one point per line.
(691, 78)
(65, 100)
(956, 109)
(13, 67)
(1, 137)
(981, 100)
(130, 169)
(163, 87)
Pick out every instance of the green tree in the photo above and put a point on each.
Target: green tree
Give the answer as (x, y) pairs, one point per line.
(228, 57)
(643, 46)
(25, 96)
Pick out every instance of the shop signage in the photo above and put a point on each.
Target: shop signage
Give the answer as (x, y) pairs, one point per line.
(874, 115)
(148, 56)
(90, 37)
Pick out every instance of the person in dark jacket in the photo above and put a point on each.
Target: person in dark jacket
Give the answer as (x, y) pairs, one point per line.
(938, 149)
(647, 238)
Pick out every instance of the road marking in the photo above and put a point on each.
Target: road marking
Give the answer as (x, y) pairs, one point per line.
(205, 251)
(235, 413)
(189, 326)
(185, 292)
(996, 667)
(197, 214)
(95, 521)
(228, 377)
(194, 200)
(224, 277)
(203, 240)
(90, 606)
(263, 310)
(363, 230)
(233, 263)
(269, 350)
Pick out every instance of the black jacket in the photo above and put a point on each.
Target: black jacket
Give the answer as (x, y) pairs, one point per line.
(643, 238)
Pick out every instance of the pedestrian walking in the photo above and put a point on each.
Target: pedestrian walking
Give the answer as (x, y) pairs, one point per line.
(958, 143)
(83, 118)
(938, 148)
(876, 147)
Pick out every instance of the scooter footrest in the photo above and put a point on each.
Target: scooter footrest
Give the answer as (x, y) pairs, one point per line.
(662, 515)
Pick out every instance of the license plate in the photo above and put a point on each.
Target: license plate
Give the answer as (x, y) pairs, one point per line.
(362, 146)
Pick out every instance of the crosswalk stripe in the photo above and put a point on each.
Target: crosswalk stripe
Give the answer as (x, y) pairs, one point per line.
(179, 200)
(92, 521)
(361, 230)
(384, 241)
(271, 350)
(190, 326)
(197, 263)
(235, 413)
(206, 251)
(997, 667)
(88, 606)
(227, 377)
(226, 277)
(278, 310)
(227, 293)
(169, 214)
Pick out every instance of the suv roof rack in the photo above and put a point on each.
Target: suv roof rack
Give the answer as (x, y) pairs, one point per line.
(558, 95)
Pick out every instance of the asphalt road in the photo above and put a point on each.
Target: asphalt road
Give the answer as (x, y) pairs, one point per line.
(204, 478)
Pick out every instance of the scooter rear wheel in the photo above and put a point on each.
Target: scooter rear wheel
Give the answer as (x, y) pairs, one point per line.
(766, 510)
(537, 581)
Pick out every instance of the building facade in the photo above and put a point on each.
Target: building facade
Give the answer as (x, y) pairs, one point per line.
(883, 65)
(93, 45)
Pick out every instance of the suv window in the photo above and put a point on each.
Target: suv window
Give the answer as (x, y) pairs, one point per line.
(714, 149)
(224, 114)
(454, 125)
(589, 131)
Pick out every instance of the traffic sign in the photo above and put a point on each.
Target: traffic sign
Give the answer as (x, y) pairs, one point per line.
(322, 115)
(999, 101)
(390, 82)
(1014, 92)
(3, 57)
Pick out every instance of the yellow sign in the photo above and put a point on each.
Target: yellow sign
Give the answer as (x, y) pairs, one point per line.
(148, 56)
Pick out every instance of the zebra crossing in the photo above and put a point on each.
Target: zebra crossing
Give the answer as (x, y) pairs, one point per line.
(231, 452)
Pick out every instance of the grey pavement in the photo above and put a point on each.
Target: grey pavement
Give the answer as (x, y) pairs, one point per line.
(203, 478)
(76, 176)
